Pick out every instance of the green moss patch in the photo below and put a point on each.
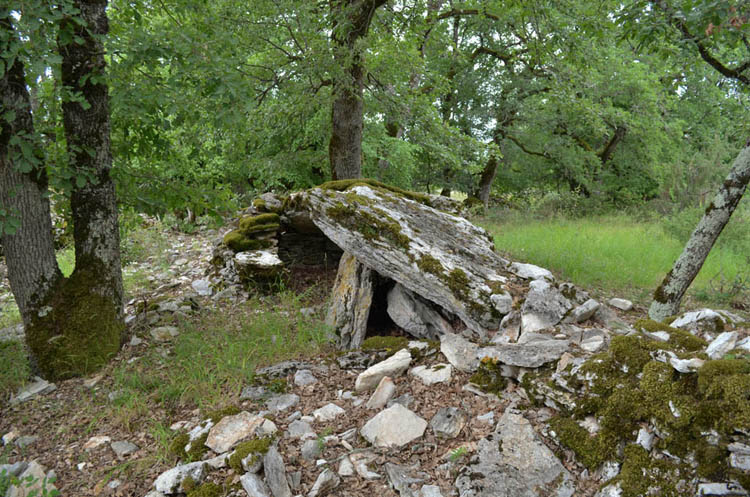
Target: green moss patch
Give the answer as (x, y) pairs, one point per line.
(488, 377)
(258, 447)
(371, 227)
(389, 344)
(206, 490)
(250, 228)
(346, 184)
(217, 415)
(78, 331)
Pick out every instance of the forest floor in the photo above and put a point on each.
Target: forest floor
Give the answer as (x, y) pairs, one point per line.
(153, 384)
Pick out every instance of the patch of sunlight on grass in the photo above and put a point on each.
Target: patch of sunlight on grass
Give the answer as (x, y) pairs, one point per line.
(66, 260)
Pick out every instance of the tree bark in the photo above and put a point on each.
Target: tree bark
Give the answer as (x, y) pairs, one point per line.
(352, 20)
(488, 177)
(29, 251)
(668, 296)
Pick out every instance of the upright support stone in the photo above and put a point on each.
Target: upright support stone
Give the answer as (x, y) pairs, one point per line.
(351, 301)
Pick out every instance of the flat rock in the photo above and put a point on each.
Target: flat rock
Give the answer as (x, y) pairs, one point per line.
(430, 375)
(38, 387)
(403, 479)
(393, 427)
(622, 304)
(531, 355)
(461, 353)
(164, 333)
(304, 377)
(170, 482)
(202, 287)
(721, 345)
(544, 307)
(275, 472)
(383, 393)
(328, 412)
(503, 302)
(583, 312)
(254, 485)
(530, 272)
(393, 366)
(415, 315)
(721, 489)
(300, 429)
(232, 429)
(96, 442)
(448, 422)
(703, 320)
(514, 461)
(257, 264)
(282, 402)
(123, 448)
(324, 483)
(686, 365)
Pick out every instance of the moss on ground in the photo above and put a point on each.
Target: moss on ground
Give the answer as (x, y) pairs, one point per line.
(488, 377)
(217, 415)
(389, 344)
(206, 490)
(258, 447)
(625, 389)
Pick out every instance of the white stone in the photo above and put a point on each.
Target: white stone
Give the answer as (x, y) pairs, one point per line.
(430, 375)
(590, 424)
(202, 287)
(743, 344)
(300, 429)
(722, 345)
(487, 418)
(304, 377)
(739, 461)
(361, 462)
(282, 402)
(393, 427)
(702, 320)
(328, 412)
(610, 491)
(583, 312)
(164, 333)
(393, 366)
(326, 481)
(254, 486)
(461, 353)
(346, 468)
(260, 258)
(530, 272)
(544, 307)
(231, 430)
(593, 344)
(383, 393)
(645, 439)
(95, 442)
(622, 304)
(720, 489)
(170, 481)
(686, 365)
(34, 472)
(430, 491)
(609, 470)
(503, 302)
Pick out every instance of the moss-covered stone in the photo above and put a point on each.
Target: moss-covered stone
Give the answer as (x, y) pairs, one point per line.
(239, 242)
(258, 447)
(189, 484)
(458, 282)
(206, 490)
(368, 225)
(217, 415)
(591, 451)
(429, 264)
(76, 331)
(269, 221)
(177, 446)
(346, 184)
(488, 377)
(250, 228)
(388, 343)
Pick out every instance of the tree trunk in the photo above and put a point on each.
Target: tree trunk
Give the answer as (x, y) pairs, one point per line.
(75, 326)
(488, 177)
(668, 296)
(29, 250)
(352, 20)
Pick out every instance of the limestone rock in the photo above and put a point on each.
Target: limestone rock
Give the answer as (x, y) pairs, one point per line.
(531, 355)
(622, 304)
(300, 429)
(503, 302)
(351, 300)
(448, 422)
(275, 472)
(35, 472)
(282, 402)
(170, 482)
(583, 312)
(38, 387)
(328, 412)
(202, 287)
(326, 481)
(461, 353)
(362, 460)
(383, 393)
(393, 366)
(430, 375)
(440, 257)
(258, 265)
(304, 377)
(231, 430)
(254, 486)
(721, 345)
(123, 448)
(513, 461)
(96, 442)
(415, 315)
(402, 479)
(530, 272)
(704, 320)
(544, 307)
(393, 427)
(164, 333)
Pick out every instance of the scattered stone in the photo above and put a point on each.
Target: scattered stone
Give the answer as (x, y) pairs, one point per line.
(487, 418)
(300, 429)
(583, 312)
(395, 426)
(164, 333)
(401, 479)
(123, 448)
(14, 469)
(34, 482)
(461, 353)
(257, 265)
(26, 441)
(135, 341)
(739, 461)
(311, 449)
(686, 365)
(91, 382)
(230, 430)
(383, 393)
(645, 439)
(281, 370)
(362, 461)
(430, 375)
(406, 400)
(530, 272)
(326, 481)
(170, 482)
(704, 320)
(114, 484)
(346, 468)
(622, 304)
(544, 307)
(252, 393)
(275, 472)
(415, 315)
(448, 422)
(96, 442)
(430, 491)
(393, 366)
(282, 402)
(722, 345)
(254, 486)
(38, 387)
(202, 288)
(503, 302)
(722, 489)
(304, 377)
(9, 437)
(531, 355)
(610, 491)
(328, 412)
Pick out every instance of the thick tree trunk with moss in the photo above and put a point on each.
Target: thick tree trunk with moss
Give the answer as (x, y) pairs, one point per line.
(668, 296)
(29, 249)
(352, 20)
(76, 326)
(488, 177)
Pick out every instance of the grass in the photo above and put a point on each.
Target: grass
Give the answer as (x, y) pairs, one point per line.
(613, 253)
(14, 367)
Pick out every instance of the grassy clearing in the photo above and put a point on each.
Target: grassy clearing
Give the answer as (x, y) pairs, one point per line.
(215, 356)
(614, 253)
